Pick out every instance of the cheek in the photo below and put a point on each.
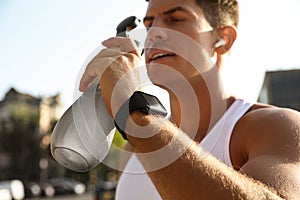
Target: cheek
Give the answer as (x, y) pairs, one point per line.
(204, 36)
(205, 40)
(200, 39)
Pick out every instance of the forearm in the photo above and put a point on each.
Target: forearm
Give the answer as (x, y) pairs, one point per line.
(181, 169)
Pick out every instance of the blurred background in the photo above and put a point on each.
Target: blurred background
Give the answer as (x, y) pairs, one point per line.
(44, 46)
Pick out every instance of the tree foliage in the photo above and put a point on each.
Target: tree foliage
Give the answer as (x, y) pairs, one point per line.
(19, 140)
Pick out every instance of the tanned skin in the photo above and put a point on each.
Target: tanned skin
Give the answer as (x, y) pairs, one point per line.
(265, 143)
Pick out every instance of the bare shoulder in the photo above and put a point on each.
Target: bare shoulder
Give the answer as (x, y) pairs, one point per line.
(266, 119)
(266, 129)
(265, 145)
(270, 129)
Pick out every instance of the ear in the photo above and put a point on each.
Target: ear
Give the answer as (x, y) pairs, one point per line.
(228, 34)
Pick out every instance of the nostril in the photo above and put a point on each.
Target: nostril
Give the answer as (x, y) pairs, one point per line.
(155, 34)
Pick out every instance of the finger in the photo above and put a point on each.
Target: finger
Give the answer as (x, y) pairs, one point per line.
(113, 42)
(85, 82)
(109, 52)
(125, 44)
(94, 69)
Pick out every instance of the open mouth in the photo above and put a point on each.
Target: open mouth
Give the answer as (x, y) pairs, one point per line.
(160, 56)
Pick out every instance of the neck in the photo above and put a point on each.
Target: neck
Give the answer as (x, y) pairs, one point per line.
(197, 108)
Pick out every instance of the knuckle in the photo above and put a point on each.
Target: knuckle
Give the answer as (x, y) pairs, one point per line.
(123, 58)
(101, 53)
(133, 58)
(108, 52)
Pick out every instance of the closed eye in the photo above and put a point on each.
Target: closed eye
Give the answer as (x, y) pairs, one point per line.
(148, 22)
(173, 15)
(177, 19)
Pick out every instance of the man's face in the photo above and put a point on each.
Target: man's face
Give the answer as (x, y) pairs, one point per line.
(179, 37)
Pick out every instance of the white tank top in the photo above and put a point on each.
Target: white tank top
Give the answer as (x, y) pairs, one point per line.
(138, 185)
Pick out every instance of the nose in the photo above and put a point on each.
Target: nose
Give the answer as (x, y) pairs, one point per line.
(157, 30)
(156, 33)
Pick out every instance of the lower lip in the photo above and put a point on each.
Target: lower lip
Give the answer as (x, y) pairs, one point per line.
(162, 59)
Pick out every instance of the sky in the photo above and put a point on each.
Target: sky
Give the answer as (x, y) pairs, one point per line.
(44, 44)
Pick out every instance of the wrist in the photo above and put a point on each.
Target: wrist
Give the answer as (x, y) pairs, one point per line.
(138, 107)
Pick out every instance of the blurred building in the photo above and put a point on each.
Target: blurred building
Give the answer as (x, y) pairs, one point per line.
(281, 88)
(48, 107)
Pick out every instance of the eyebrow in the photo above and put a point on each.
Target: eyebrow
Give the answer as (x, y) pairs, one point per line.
(168, 12)
(172, 10)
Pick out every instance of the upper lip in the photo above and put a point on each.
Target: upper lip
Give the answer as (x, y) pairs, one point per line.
(155, 53)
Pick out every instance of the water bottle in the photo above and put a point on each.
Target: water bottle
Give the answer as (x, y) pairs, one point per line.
(82, 137)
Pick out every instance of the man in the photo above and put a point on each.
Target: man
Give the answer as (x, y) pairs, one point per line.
(214, 146)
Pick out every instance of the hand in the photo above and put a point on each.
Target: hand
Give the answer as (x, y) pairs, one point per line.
(117, 67)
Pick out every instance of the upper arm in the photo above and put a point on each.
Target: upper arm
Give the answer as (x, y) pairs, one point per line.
(273, 151)
(274, 172)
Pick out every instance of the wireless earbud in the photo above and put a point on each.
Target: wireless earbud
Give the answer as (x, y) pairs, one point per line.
(221, 42)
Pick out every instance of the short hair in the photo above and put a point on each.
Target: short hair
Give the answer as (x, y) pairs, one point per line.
(220, 13)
